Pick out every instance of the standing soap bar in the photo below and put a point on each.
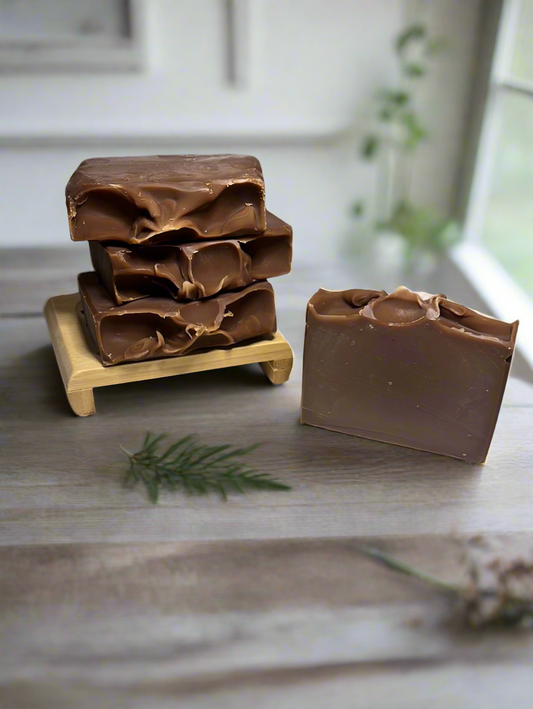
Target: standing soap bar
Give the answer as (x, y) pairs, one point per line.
(413, 369)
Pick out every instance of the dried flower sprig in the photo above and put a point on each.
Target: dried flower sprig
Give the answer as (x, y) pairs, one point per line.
(194, 468)
(499, 589)
(500, 582)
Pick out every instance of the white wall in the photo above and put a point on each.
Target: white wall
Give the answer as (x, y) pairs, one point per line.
(310, 63)
(312, 69)
(445, 101)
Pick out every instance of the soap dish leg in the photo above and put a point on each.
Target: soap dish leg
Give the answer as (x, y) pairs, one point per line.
(277, 370)
(82, 402)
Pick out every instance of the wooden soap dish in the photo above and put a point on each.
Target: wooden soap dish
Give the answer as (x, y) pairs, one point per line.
(81, 370)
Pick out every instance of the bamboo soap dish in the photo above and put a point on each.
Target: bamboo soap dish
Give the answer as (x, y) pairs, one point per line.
(81, 370)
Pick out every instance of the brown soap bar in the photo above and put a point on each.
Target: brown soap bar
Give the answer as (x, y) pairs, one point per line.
(194, 270)
(170, 198)
(408, 368)
(150, 328)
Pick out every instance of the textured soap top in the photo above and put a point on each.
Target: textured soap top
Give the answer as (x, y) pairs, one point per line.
(404, 307)
(166, 198)
(193, 270)
(161, 327)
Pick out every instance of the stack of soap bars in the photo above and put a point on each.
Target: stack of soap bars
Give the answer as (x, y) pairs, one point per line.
(181, 246)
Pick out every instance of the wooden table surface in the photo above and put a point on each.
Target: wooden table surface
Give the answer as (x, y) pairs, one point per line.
(263, 601)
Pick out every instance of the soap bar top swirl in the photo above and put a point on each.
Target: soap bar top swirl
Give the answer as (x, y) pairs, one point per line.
(406, 308)
(196, 269)
(166, 198)
(152, 327)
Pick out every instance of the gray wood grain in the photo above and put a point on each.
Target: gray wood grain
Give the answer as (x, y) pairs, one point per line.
(345, 686)
(61, 478)
(106, 600)
(201, 622)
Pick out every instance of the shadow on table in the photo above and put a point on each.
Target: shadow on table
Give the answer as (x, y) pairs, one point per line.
(34, 386)
(181, 388)
(338, 455)
(35, 382)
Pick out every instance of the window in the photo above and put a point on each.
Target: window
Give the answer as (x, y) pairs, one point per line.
(497, 253)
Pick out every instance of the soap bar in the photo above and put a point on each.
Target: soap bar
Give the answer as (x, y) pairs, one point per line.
(193, 270)
(151, 327)
(166, 198)
(408, 368)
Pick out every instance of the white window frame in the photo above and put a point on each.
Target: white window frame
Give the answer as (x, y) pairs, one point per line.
(495, 285)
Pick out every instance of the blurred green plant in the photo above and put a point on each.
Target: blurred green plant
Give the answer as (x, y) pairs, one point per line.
(422, 229)
(396, 134)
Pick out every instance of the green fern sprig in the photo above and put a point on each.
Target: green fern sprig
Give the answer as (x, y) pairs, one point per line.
(194, 468)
